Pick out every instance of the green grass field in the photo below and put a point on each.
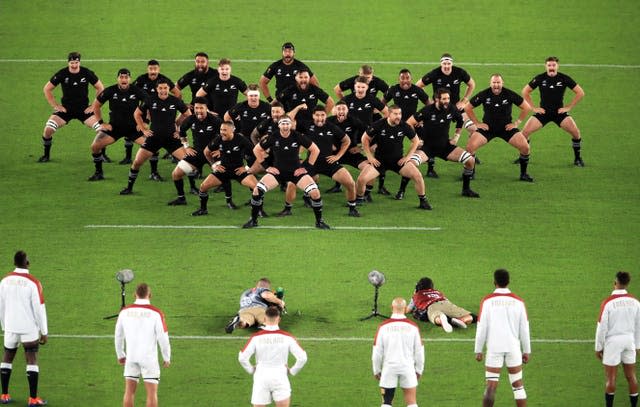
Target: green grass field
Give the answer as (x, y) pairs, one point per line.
(563, 237)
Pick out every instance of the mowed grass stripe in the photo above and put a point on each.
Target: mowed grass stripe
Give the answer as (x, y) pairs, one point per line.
(387, 228)
(314, 338)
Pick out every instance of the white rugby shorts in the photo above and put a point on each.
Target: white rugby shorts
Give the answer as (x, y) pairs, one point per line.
(499, 359)
(148, 371)
(390, 377)
(13, 340)
(619, 349)
(270, 385)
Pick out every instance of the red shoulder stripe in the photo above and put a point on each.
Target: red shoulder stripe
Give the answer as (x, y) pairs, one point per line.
(152, 308)
(33, 280)
(493, 295)
(263, 332)
(390, 320)
(608, 300)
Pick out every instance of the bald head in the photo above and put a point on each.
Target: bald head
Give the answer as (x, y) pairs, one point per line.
(399, 305)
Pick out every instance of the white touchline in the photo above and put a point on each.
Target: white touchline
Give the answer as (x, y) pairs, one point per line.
(314, 338)
(330, 61)
(392, 228)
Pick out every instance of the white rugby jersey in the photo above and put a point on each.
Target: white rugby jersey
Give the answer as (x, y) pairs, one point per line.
(619, 315)
(143, 327)
(271, 347)
(398, 344)
(502, 323)
(22, 307)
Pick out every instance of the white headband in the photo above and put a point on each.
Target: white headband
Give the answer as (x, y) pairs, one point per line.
(284, 120)
(253, 93)
(444, 59)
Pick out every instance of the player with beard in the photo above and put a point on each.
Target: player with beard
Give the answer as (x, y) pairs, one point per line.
(74, 81)
(162, 108)
(375, 83)
(450, 77)
(497, 102)
(230, 148)
(285, 71)
(326, 136)
(148, 82)
(198, 77)
(365, 106)
(353, 128)
(432, 125)
(123, 100)
(389, 135)
(246, 115)
(204, 127)
(223, 89)
(304, 92)
(284, 146)
(552, 85)
(406, 95)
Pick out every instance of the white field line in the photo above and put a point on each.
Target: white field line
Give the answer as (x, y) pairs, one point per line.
(313, 338)
(332, 61)
(389, 228)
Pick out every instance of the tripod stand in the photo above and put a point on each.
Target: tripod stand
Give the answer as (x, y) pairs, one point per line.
(122, 293)
(374, 310)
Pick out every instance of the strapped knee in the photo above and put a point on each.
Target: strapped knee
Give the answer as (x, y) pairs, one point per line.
(310, 187)
(491, 376)
(468, 123)
(514, 377)
(262, 188)
(464, 157)
(51, 125)
(519, 393)
(387, 394)
(416, 158)
(185, 167)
